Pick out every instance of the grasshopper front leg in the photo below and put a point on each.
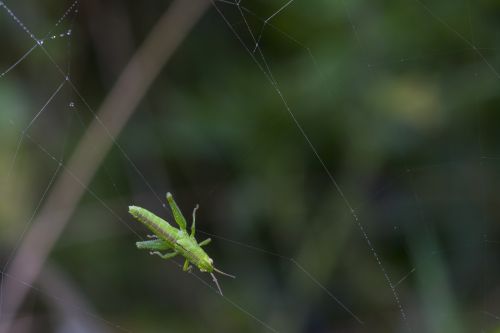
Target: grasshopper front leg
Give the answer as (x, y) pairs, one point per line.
(193, 224)
(187, 267)
(164, 256)
(205, 242)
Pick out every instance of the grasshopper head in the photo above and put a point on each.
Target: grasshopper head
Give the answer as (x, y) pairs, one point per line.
(206, 264)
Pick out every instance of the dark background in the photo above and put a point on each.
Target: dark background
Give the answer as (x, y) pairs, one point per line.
(399, 99)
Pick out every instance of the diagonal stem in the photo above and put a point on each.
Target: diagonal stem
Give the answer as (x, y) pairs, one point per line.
(112, 116)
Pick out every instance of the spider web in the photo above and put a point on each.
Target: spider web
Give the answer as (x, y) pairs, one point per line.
(414, 205)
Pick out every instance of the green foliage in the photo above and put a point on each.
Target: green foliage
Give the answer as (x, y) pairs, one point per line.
(403, 111)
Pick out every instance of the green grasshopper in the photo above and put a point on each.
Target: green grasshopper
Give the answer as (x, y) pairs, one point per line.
(178, 241)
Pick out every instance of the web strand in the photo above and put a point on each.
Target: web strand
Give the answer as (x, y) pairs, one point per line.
(266, 21)
(65, 75)
(18, 61)
(228, 300)
(26, 129)
(256, 52)
(297, 265)
(60, 300)
(322, 163)
(272, 80)
(460, 36)
(87, 189)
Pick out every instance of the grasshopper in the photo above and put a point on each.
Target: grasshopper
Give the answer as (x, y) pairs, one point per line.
(178, 241)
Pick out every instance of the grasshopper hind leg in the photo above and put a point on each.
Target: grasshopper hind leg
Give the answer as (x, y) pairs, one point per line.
(153, 245)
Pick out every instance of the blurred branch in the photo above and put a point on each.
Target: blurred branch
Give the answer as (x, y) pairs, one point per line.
(112, 116)
(74, 312)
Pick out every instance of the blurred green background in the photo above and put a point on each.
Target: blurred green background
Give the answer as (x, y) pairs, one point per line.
(399, 98)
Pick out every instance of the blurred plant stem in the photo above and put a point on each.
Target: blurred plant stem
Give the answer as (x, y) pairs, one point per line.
(112, 116)
(74, 313)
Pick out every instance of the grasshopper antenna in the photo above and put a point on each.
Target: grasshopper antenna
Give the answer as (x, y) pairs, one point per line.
(215, 279)
(222, 273)
(216, 283)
